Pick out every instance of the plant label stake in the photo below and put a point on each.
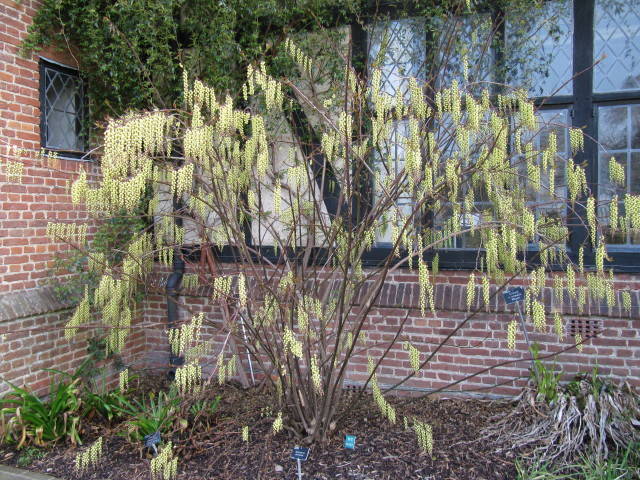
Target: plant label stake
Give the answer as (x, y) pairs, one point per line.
(151, 440)
(300, 454)
(516, 295)
(350, 442)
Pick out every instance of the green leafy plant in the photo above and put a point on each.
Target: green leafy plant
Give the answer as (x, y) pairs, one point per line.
(27, 419)
(107, 405)
(155, 412)
(29, 455)
(625, 465)
(545, 379)
(204, 406)
(98, 399)
(594, 382)
(147, 40)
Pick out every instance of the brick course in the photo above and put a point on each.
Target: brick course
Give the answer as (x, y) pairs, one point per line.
(479, 348)
(29, 345)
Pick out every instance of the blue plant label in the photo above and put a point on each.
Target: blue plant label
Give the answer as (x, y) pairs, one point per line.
(350, 442)
(300, 453)
(152, 439)
(513, 295)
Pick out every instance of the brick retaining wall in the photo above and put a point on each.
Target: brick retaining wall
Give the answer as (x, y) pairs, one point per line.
(479, 345)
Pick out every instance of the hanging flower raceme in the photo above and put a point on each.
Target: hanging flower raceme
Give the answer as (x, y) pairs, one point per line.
(132, 138)
(414, 356)
(165, 465)
(67, 232)
(302, 59)
(81, 315)
(188, 334)
(89, 458)
(188, 378)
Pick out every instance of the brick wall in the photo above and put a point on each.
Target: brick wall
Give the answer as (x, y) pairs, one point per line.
(479, 345)
(42, 195)
(32, 340)
(31, 315)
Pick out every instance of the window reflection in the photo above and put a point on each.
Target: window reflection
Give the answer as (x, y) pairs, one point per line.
(397, 48)
(617, 45)
(540, 48)
(63, 110)
(619, 137)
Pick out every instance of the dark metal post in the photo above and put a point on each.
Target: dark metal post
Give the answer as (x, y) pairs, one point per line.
(173, 291)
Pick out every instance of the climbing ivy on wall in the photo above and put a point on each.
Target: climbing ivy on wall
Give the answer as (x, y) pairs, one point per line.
(131, 52)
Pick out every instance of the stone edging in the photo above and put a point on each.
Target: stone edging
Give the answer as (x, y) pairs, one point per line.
(28, 303)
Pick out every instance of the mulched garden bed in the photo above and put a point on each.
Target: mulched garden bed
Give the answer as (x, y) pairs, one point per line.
(383, 451)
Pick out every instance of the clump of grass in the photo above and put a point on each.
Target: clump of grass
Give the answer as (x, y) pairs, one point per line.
(620, 466)
(589, 418)
(26, 419)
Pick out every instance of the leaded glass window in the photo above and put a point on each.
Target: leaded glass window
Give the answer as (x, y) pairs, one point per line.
(617, 74)
(617, 45)
(579, 61)
(465, 43)
(63, 109)
(619, 137)
(539, 45)
(398, 49)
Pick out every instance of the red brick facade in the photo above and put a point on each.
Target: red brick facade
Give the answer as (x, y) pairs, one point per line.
(478, 348)
(30, 314)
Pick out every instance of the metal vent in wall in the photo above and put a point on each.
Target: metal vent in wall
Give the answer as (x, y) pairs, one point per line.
(586, 327)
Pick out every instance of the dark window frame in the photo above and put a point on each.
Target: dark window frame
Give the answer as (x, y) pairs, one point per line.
(81, 120)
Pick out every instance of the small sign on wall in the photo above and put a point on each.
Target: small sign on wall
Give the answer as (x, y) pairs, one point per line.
(513, 295)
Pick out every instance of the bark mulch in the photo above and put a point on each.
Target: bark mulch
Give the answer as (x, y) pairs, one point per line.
(383, 450)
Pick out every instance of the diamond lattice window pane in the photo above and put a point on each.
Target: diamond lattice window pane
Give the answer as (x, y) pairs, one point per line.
(63, 111)
(540, 49)
(467, 37)
(618, 136)
(617, 42)
(398, 48)
(552, 206)
(553, 121)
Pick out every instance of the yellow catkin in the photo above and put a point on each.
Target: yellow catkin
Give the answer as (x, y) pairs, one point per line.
(538, 315)
(89, 458)
(277, 423)
(13, 171)
(424, 432)
(471, 291)
(512, 331)
(626, 301)
(558, 325)
(123, 380)
(242, 290)
(315, 375)
(414, 356)
(165, 465)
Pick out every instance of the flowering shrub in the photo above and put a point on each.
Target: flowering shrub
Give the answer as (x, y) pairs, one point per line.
(225, 172)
